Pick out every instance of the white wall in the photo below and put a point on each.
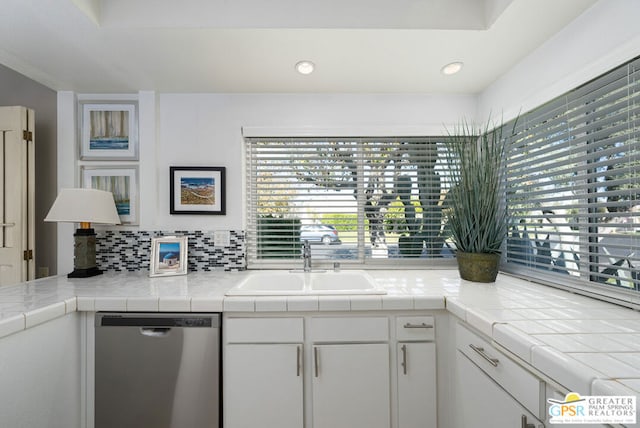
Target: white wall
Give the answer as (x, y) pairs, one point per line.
(206, 130)
(603, 37)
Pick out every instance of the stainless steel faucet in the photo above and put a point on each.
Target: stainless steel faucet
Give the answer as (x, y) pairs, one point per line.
(306, 256)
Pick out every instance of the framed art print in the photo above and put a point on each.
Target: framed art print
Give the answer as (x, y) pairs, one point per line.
(122, 182)
(168, 256)
(197, 190)
(109, 131)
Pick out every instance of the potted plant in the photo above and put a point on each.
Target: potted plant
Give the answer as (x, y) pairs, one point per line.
(475, 210)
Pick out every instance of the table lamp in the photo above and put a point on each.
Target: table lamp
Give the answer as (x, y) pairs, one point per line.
(84, 206)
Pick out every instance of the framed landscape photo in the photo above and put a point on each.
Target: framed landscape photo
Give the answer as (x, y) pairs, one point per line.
(168, 256)
(122, 182)
(197, 190)
(109, 131)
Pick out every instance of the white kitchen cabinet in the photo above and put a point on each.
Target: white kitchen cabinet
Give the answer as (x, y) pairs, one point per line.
(417, 395)
(263, 372)
(416, 372)
(491, 388)
(329, 371)
(481, 402)
(41, 375)
(351, 386)
(263, 386)
(350, 374)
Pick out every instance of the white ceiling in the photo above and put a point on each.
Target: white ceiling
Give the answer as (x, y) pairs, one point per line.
(371, 46)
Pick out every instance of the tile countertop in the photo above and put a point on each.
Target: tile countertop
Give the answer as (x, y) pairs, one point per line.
(587, 345)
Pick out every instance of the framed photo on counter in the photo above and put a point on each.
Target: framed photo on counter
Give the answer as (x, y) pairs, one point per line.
(168, 256)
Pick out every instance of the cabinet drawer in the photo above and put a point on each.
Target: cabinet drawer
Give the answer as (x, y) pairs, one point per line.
(520, 383)
(351, 329)
(264, 330)
(418, 328)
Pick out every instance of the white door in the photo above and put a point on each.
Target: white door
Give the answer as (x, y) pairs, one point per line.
(481, 402)
(351, 386)
(417, 402)
(263, 386)
(17, 195)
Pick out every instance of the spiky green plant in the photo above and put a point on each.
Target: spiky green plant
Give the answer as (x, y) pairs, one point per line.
(475, 211)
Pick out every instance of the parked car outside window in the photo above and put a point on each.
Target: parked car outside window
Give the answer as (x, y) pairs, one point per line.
(323, 233)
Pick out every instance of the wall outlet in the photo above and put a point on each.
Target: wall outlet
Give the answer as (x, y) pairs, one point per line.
(221, 238)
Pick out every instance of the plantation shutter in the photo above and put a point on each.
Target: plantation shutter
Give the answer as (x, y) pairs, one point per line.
(573, 175)
(353, 198)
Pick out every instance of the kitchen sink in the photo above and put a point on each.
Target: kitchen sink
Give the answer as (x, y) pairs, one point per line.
(297, 283)
(270, 283)
(345, 282)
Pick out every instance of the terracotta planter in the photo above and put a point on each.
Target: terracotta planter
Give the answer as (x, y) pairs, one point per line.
(478, 267)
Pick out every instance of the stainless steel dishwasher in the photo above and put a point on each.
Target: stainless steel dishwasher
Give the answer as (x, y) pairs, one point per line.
(157, 370)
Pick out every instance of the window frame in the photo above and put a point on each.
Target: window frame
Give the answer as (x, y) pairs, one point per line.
(253, 262)
(597, 142)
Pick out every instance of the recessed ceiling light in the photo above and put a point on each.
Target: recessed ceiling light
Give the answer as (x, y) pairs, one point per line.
(452, 68)
(305, 67)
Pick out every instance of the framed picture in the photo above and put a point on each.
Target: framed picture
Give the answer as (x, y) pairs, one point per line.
(197, 190)
(109, 131)
(122, 182)
(168, 256)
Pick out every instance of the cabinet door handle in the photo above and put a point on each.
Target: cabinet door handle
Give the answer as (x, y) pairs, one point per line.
(524, 423)
(298, 360)
(480, 350)
(404, 359)
(315, 361)
(422, 325)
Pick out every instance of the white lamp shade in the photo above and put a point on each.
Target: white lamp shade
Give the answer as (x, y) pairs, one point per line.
(84, 205)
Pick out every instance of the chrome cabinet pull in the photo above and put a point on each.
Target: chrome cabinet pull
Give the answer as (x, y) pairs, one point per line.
(315, 361)
(404, 359)
(298, 360)
(423, 325)
(524, 423)
(480, 350)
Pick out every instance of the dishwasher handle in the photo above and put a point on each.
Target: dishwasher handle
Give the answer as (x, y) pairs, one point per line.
(155, 331)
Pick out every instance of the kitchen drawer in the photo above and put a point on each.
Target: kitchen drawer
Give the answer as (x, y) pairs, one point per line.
(263, 330)
(416, 328)
(516, 380)
(350, 329)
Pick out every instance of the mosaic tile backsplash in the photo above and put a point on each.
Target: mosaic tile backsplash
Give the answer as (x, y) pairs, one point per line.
(125, 250)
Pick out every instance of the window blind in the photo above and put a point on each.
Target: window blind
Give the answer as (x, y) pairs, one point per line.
(573, 185)
(356, 200)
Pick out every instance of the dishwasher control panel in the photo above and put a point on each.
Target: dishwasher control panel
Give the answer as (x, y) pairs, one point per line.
(155, 320)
